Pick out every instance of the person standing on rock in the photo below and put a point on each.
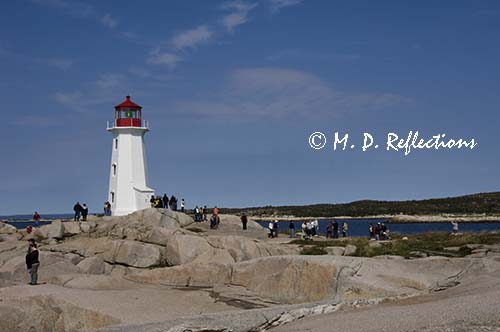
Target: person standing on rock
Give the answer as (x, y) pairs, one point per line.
(205, 210)
(216, 210)
(244, 221)
(291, 228)
(78, 211)
(454, 224)
(32, 262)
(85, 212)
(36, 218)
(165, 201)
(329, 230)
(182, 205)
(335, 229)
(345, 227)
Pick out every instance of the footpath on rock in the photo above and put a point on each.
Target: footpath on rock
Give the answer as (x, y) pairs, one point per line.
(157, 270)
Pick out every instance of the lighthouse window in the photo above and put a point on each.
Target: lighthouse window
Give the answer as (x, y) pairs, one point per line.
(116, 143)
(114, 169)
(112, 197)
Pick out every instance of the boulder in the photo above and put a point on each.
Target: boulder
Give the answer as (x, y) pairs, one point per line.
(7, 229)
(335, 251)
(41, 233)
(49, 315)
(284, 279)
(350, 250)
(187, 275)
(184, 248)
(55, 230)
(71, 228)
(138, 254)
(92, 265)
(87, 226)
(130, 253)
(51, 264)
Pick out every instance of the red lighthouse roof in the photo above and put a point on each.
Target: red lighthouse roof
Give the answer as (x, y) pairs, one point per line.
(128, 104)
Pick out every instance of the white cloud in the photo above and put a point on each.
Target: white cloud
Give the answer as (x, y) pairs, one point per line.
(141, 72)
(107, 81)
(63, 64)
(275, 93)
(108, 21)
(68, 99)
(168, 59)
(192, 38)
(277, 5)
(239, 13)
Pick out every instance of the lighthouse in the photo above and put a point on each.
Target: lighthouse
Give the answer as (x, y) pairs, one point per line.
(128, 185)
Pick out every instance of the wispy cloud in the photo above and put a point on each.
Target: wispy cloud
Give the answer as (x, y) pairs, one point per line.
(305, 55)
(277, 5)
(107, 81)
(276, 93)
(62, 64)
(168, 59)
(192, 38)
(79, 9)
(109, 21)
(238, 15)
(68, 99)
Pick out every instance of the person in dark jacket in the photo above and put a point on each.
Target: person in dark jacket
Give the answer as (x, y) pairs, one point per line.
(32, 262)
(78, 211)
(291, 228)
(165, 201)
(244, 221)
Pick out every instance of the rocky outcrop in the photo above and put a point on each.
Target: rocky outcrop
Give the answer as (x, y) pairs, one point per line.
(92, 265)
(45, 314)
(7, 229)
(130, 253)
(298, 279)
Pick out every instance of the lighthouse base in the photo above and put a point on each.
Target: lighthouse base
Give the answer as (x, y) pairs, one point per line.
(141, 200)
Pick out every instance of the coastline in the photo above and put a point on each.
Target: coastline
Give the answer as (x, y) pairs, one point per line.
(397, 219)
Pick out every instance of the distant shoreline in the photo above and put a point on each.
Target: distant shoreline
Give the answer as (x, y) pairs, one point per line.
(398, 219)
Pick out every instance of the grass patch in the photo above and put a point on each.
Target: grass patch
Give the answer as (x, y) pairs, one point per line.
(313, 250)
(431, 244)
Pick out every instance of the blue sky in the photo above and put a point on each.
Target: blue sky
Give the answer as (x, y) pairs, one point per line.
(233, 89)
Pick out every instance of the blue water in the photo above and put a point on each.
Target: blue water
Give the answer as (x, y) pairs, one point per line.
(21, 221)
(359, 227)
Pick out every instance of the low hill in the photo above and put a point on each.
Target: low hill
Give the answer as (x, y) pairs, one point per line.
(483, 203)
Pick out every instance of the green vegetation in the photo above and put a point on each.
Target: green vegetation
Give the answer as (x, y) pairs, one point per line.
(488, 203)
(431, 244)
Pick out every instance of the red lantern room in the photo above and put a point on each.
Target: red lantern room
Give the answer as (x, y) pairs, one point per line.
(128, 114)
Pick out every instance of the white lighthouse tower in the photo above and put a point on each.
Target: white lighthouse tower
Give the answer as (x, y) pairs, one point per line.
(128, 185)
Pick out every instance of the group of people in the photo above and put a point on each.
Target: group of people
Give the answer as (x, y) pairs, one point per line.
(81, 212)
(379, 232)
(310, 228)
(273, 229)
(332, 229)
(165, 202)
(200, 213)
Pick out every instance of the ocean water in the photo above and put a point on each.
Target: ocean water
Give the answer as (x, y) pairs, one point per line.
(359, 227)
